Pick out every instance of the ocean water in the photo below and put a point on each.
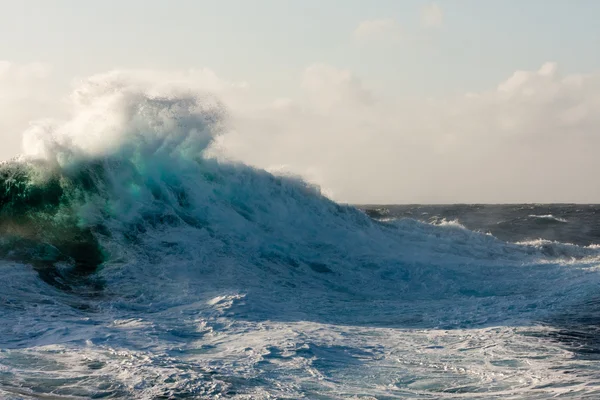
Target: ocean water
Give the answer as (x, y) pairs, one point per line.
(136, 265)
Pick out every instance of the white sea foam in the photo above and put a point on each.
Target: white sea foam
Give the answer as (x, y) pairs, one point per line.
(549, 217)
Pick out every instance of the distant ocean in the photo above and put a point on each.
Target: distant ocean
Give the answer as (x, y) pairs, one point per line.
(567, 223)
(151, 271)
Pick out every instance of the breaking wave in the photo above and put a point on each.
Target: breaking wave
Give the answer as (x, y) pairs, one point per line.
(123, 239)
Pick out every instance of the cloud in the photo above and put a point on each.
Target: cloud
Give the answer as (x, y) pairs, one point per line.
(524, 82)
(432, 16)
(388, 30)
(25, 94)
(328, 87)
(378, 30)
(533, 137)
(18, 73)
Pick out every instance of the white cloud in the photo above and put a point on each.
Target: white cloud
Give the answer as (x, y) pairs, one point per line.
(532, 138)
(10, 72)
(25, 94)
(378, 29)
(525, 82)
(432, 16)
(328, 87)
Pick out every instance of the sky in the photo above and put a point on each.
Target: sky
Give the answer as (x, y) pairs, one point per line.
(379, 101)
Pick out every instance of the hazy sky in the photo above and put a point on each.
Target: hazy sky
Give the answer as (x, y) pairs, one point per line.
(376, 101)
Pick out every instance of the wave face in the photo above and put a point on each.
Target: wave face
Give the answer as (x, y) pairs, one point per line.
(136, 266)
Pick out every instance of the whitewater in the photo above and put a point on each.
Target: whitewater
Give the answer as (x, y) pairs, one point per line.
(136, 263)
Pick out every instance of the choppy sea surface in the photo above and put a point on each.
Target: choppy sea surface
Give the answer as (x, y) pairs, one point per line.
(151, 270)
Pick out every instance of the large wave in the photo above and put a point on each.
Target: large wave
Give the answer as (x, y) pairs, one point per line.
(123, 211)
(128, 177)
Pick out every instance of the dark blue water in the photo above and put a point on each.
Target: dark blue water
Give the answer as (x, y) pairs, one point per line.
(567, 223)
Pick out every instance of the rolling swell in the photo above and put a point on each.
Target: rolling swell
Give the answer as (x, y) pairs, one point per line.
(151, 194)
(127, 184)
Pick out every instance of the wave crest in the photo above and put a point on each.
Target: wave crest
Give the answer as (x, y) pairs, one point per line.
(110, 114)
